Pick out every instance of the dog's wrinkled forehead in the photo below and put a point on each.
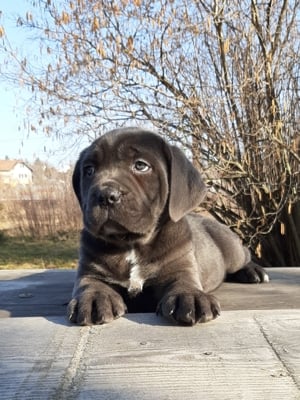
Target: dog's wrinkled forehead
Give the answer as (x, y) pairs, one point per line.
(125, 142)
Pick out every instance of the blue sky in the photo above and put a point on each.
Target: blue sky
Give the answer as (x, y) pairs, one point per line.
(15, 140)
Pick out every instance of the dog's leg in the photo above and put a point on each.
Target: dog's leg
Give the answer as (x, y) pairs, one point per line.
(250, 273)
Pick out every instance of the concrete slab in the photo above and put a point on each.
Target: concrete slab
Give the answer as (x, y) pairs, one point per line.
(251, 352)
(248, 355)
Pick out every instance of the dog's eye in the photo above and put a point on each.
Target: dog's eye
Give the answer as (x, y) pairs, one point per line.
(89, 170)
(141, 166)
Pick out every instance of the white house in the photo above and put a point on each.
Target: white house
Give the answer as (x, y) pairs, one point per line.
(14, 172)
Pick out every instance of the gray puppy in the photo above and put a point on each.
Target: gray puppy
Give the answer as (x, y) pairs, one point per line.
(140, 246)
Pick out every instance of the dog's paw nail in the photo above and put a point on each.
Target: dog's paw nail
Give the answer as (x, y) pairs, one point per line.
(189, 314)
(265, 278)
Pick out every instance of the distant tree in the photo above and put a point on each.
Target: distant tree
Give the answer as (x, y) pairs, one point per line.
(219, 77)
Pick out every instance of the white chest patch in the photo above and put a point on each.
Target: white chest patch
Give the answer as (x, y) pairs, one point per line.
(136, 280)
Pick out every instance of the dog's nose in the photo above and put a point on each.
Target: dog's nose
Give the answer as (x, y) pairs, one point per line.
(109, 196)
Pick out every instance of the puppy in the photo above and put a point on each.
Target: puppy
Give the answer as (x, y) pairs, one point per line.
(140, 243)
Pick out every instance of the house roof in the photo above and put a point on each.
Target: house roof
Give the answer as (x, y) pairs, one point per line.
(8, 165)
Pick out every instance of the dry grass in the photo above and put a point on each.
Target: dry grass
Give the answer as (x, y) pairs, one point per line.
(28, 253)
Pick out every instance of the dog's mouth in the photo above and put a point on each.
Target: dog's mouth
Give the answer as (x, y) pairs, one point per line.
(112, 228)
(112, 231)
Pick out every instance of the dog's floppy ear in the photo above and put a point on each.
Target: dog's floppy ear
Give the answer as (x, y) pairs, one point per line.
(76, 178)
(187, 188)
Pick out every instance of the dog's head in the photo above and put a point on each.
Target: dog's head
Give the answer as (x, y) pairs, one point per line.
(126, 180)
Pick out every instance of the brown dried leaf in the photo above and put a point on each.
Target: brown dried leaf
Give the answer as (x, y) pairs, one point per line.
(65, 18)
(29, 17)
(95, 24)
(258, 250)
(129, 44)
(226, 46)
(100, 50)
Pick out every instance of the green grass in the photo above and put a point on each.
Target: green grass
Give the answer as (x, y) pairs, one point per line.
(25, 253)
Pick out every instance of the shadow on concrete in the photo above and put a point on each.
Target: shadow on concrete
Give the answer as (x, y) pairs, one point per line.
(35, 293)
(46, 293)
(31, 293)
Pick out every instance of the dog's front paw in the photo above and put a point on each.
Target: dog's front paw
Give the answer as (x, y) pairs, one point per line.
(188, 309)
(94, 307)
